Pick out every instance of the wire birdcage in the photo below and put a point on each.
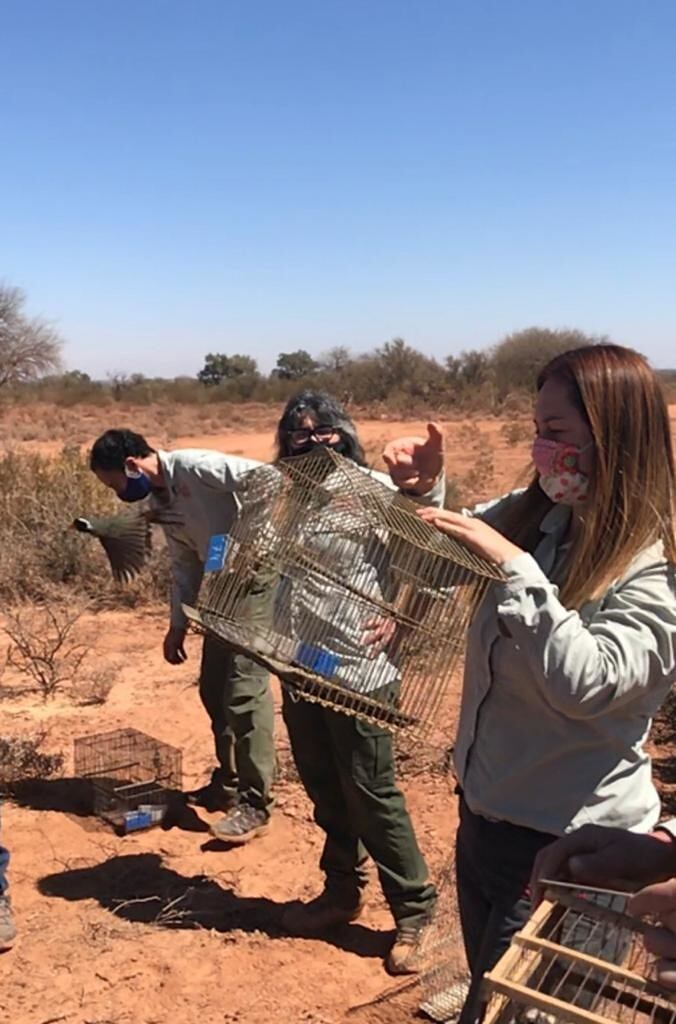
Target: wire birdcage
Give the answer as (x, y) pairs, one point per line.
(324, 557)
(444, 974)
(579, 960)
(131, 775)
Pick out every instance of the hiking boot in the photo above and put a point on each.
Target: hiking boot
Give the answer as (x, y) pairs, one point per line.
(404, 957)
(320, 914)
(211, 797)
(241, 824)
(7, 929)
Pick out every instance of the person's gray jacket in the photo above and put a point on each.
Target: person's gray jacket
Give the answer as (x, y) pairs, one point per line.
(200, 491)
(557, 703)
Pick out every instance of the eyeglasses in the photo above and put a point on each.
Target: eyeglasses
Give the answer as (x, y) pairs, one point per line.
(322, 433)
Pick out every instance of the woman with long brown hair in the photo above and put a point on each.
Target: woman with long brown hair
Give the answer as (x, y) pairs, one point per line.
(571, 656)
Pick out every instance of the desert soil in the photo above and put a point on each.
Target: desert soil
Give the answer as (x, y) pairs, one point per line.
(166, 925)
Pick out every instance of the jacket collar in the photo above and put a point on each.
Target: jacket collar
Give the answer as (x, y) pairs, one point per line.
(556, 521)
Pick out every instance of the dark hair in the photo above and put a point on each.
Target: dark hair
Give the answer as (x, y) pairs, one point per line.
(112, 449)
(322, 409)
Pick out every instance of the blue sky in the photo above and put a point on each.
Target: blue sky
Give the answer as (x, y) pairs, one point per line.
(257, 177)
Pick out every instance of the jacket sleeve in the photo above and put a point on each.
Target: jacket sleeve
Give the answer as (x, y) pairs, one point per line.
(186, 578)
(627, 647)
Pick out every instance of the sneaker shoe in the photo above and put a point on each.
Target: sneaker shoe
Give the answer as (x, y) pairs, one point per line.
(404, 957)
(241, 824)
(320, 914)
(7, 929)
(211, 797)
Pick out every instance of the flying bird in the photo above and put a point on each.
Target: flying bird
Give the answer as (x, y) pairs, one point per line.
(126, 540)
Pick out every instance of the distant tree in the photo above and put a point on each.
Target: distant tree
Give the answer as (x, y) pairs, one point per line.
(295, 365)
(336, 359)
(516, 360)
(29, 347)
(119, 384)
(470, 369)
(219, 367)
(75, 378)
(402, 369)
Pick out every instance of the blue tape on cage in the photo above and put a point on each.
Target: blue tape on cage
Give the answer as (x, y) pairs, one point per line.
(134, 820)
(216, 552)
(324, 663)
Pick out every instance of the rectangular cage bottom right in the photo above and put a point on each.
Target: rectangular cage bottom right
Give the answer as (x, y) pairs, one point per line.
(579, 960)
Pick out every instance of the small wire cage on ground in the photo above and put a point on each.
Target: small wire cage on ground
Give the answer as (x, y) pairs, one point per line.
(131, 776)
(579, 960)
(332, 581)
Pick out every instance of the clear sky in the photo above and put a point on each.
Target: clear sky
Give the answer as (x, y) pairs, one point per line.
(258, 176)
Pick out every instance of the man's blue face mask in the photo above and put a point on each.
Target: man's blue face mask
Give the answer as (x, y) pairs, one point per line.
(137, 487)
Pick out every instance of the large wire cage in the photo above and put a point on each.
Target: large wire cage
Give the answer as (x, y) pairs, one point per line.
(579, 960)
(131, 776)
(331, 580)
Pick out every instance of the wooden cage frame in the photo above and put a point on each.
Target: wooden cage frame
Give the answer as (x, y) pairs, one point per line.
(616, 992)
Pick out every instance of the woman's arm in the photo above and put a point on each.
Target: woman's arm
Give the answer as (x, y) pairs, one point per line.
(582, 668)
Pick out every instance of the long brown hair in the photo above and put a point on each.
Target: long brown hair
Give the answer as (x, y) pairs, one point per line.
(632, 486)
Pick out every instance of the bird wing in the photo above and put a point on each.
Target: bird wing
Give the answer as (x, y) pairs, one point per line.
(126, 540)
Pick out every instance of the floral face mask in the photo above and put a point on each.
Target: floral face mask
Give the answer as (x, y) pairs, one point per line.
(557, 464)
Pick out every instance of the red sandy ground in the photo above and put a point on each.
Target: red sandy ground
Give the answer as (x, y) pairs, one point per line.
(91, 950)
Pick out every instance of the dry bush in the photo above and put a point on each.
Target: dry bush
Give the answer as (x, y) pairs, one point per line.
(95, 685)
(21, 758)
(455, 496)
(42, 645)
(516, 431)
(40, 497)
(44, 648)
(479, 484)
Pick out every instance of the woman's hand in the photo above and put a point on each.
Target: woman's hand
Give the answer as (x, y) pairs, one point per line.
(475, 533)
(416, 463)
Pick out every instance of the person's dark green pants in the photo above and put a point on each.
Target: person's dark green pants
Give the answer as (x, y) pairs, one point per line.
(347, 768)
(236, 694)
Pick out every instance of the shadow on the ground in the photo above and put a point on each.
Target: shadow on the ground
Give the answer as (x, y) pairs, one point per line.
(71, 796)
(75, 797)
(139, 888)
